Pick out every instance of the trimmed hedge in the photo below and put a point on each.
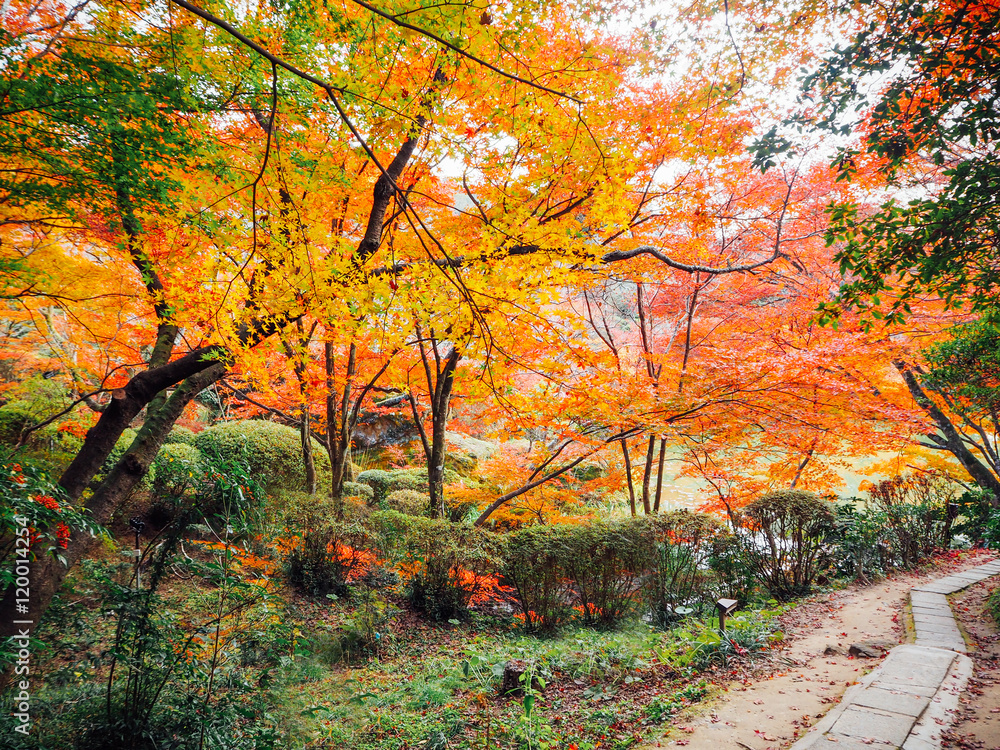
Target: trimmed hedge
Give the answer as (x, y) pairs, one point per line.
(535, 566)
(180, 434)
(448, 563)
(176, 467)
(685, 553)
(410, 502)
(784, 539)
(380, 482)
(271, 452)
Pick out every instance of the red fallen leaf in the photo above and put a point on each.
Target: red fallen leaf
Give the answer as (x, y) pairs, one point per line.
(683, 742)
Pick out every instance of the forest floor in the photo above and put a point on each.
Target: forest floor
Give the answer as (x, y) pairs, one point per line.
(977, 723)
(771, 707)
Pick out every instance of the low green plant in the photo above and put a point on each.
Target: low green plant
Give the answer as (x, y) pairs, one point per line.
(700, 644)
(326, 558)
(534, 567)
(271, 452)
(784, 540)
(682, 546)
(411, 502)
(993, 604)
(366, 632)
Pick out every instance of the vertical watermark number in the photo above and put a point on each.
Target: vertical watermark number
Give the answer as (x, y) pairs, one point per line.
(20, 643)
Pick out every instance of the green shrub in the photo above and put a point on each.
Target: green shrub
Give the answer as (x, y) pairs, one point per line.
(408, 479)
(587, 472)
(327, 558)
(180, 434)
(976, 517)
(534, 566)
(861, 554)
(362, 634)
(683, 547)
(448, 563)
(356, 489)
(784, 539)
(272, 452)
(993, 604)
(605, 562)
(13, 419)
(411, 502)
(176, 469)
(380, 482)
(733, 575)
(913, 514)
(296, 509)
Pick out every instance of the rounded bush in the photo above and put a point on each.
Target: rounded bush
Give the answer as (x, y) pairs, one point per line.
(356, 489)
(176, 467)
(408, 479)
(180, 435)
(271, 452)
(379, 481)
(13, 419)
(411, 502)
(784, 539)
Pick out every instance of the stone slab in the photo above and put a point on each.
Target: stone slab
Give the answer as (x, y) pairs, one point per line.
(943, 645)
(872, 724)
(927, 599)
(843, 742)
(920, 614)
(940, 713)
(926, 691)
(935, 588)
(915, 665)
(946, 628)
(896, 701)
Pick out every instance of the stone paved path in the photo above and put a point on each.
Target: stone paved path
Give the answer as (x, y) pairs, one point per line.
(905, 702)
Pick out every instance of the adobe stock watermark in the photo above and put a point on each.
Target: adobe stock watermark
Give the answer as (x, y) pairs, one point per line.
(20, 643)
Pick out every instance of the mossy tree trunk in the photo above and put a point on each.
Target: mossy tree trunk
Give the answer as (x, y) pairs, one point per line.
(439, 367)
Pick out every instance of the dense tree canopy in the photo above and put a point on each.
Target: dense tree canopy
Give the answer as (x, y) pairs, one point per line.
(544, 214)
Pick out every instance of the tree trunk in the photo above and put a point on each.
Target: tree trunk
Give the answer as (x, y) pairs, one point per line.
(647, 474)
(628, 474)
(439, 422)
(47, 573)
(305, 432)
(659, 475)
(953, 441)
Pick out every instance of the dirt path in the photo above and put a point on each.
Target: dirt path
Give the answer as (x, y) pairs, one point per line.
(770, 713)
(978, 720)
